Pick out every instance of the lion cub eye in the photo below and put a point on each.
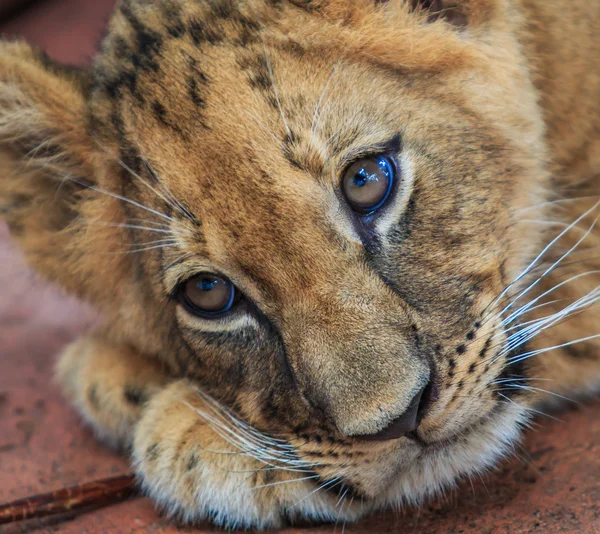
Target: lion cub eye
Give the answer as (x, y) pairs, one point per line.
(208, 295)
(367, 183)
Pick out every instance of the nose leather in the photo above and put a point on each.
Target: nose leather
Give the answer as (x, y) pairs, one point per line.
(407, 422)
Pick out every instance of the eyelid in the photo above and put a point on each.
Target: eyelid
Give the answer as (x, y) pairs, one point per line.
(176, 274)
(236, 320)
(390, 148)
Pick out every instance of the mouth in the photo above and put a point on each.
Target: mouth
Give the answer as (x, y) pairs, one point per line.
(431, 394)
(475, 449)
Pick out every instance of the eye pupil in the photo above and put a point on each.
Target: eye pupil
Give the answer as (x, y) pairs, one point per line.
(367, 183)
(206, 284)
(361, 178)
(208, 295)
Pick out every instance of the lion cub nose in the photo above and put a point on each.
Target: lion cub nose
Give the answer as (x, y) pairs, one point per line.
(407, 422)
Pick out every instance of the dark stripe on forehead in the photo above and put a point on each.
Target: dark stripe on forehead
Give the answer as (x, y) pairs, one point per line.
(196, 82)
(149, 42)
(222, 9)
(174, 24)
(201, 32)
(127, 59)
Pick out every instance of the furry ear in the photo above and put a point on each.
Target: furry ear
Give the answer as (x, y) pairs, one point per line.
(453, 12)
(401, 34)
(459, 13)
(45, 154)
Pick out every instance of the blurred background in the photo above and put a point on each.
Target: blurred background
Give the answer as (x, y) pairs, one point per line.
(552, 485)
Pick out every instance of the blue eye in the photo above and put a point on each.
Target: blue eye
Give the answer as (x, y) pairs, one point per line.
(367, 183)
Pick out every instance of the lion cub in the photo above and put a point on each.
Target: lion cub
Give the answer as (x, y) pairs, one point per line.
(336, 242)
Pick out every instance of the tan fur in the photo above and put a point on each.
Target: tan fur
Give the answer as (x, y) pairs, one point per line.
(211, 136)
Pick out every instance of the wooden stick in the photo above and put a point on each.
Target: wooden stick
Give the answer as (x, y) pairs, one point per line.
(93, 494)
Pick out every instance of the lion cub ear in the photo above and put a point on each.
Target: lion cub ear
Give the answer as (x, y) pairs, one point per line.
(455, 13)
(459, 13)
(46, 153)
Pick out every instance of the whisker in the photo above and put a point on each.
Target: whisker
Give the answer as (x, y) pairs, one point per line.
(555, 202)
(277, 483)
(133, 227)
(315, 123)
(523, 309)
(122, 198)
(172, 202)
(540, 390)
(568, 312)
(342, 497)
(519, 325)
(268, 131)
(548, 223)
(547, 271)
(338, 131)
(157, 242)
(537, 258)
(521, 379)
(238, 422)
(274, 85)
(156, 224)
(345, 520)
(248, 439)
(530, 410)
(335, 481)
(144, 249)
(532, 353)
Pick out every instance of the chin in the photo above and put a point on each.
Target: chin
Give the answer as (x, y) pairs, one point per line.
(440, 465)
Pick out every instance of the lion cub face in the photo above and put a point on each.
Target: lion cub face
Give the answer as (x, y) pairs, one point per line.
(318, 229)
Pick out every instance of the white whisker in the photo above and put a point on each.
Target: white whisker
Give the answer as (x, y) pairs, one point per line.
(335, 481)
(274, 85)
(317, 116)
(124, 199)
(532, 353)
(525, 334)
(538, 258)
(555, 202)
(268, 131)
(523, 309)
(134, 227)
(338, 131)
(277, 483)
(549, 269)
(540, 390)
(164, 195)
(529, 410)
(135, 251)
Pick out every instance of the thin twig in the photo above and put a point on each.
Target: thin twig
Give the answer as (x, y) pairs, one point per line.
(93, 494)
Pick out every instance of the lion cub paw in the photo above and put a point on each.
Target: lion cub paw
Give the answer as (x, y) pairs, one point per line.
(201, 463)
(109, 385)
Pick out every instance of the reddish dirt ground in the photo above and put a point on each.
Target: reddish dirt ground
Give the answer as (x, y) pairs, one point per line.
(554, 487)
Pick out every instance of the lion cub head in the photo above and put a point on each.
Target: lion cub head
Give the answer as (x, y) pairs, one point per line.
(305, 207)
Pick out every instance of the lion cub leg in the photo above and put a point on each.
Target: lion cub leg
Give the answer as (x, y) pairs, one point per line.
(199, 463)
(192, 456)
(109, 384)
